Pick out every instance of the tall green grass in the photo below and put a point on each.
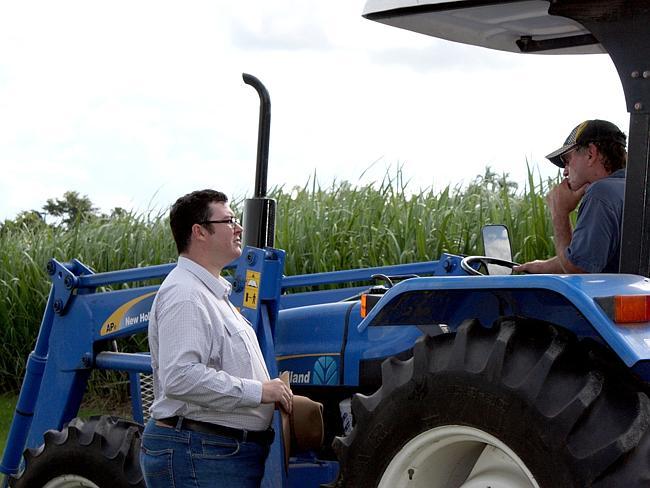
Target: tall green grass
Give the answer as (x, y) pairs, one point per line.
(341, 226)
(347, 226)
(7, 405)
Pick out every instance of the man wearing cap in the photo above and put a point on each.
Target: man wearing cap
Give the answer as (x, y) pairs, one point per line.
(213, 398)
(593, 158)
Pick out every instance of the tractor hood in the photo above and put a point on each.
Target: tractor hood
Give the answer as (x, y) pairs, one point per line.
(515, 26)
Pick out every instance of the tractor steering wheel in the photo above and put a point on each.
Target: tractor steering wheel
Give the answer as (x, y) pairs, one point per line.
(469, 260)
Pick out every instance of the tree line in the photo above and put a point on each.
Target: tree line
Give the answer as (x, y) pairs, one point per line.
(68, 211)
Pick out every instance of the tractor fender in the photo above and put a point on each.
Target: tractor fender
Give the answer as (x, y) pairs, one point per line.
(566, 300)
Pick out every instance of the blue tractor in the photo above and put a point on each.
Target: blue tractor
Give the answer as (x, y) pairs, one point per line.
(431, 374)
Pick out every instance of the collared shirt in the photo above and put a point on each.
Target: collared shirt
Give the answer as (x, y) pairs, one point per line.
(596, 242)
(207, 363)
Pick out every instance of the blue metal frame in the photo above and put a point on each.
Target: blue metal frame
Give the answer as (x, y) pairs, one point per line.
(448, 265)
(77, 318)
(59, 367)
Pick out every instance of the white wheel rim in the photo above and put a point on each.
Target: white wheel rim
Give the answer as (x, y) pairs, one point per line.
(456, 456)
(70, 481)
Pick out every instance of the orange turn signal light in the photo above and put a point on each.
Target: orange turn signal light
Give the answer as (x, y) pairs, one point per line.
(631, 308)
(364, 305)
(368, 300)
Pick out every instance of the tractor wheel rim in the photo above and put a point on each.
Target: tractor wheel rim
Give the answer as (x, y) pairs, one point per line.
(70, 481)
(456, 456)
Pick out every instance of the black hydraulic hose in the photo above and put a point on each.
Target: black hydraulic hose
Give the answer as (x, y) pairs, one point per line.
(263, 134)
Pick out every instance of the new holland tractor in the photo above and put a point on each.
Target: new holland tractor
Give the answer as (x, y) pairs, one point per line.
(457, 378)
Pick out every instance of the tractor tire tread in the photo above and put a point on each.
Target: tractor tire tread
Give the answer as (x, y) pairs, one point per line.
(597, 422)
(110, 443)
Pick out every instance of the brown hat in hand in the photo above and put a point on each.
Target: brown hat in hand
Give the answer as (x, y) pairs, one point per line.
(302, 430)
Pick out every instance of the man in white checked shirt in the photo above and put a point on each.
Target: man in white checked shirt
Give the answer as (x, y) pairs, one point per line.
(214, 399)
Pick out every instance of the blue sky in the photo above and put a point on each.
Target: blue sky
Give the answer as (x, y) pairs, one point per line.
(136, 103)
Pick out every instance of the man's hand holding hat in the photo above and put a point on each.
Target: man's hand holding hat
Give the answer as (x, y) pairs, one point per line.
(302, 427)
(278, 392)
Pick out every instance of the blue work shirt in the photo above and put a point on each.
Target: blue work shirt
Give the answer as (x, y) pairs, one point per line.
(596, 243)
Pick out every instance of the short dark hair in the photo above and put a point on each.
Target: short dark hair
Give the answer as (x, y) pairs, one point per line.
(191, 209)
(614, 155)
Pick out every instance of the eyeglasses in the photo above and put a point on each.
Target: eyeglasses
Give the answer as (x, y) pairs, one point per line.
(231, 221)
(566, 159)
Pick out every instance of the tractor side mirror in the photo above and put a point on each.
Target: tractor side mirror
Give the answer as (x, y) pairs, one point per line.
(496, 244)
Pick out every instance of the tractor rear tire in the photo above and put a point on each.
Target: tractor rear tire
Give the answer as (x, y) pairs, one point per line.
(520, 404)
(103, 451)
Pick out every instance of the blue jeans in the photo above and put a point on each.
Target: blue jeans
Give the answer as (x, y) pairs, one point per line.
(172, 458)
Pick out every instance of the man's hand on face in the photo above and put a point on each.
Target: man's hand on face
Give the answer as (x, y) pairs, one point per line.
(562, 200)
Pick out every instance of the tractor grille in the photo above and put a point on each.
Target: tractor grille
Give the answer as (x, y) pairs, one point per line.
(146, 394)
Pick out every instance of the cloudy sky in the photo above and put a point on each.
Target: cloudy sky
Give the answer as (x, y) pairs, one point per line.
(135, 103)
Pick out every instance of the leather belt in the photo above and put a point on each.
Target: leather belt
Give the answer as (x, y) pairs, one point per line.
(259, 436)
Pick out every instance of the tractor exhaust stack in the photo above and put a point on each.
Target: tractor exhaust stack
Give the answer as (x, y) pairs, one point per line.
(259, 211)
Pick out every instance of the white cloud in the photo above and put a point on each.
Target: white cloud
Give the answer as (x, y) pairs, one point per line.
(137, 103)
(291, 33)
(438, 55)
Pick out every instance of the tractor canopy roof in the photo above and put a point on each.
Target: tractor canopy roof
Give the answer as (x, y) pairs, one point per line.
(515, 26)
(616, 27)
